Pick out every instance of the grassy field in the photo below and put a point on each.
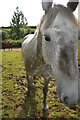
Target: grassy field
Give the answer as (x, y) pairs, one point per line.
(16, 103)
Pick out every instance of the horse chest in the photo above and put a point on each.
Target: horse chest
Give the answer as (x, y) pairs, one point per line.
(37, 67)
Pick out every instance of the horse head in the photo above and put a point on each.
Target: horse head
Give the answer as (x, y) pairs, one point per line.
(59, 31)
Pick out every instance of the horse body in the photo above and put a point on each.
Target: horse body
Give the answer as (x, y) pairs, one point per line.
(34, 62)
(52, 50)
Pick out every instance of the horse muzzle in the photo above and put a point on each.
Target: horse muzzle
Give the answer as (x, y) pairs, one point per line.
(69, 101)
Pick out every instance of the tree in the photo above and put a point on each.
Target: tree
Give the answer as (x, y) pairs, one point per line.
(18, 21)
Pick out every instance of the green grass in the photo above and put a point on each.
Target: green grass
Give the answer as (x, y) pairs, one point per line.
(13, 73)
(16, 103)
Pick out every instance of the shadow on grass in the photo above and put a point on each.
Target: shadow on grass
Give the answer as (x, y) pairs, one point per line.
(29, 107)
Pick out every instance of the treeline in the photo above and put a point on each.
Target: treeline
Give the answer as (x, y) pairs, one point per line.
(32, 27)
(17, 30)
(18, 27)
(7, 34)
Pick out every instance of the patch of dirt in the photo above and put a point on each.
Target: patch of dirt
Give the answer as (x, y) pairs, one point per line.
(13, 49)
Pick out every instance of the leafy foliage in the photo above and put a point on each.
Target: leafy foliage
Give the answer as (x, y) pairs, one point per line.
(4, 35)
(7, 34)
(18, 21)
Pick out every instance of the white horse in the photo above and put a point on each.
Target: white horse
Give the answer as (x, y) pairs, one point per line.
(53, 49)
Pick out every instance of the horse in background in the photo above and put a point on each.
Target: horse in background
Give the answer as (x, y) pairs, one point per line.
(7, 45)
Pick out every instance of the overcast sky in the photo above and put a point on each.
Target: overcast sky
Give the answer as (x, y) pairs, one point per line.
(31, 9)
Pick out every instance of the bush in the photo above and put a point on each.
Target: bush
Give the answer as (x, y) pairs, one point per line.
(10, 34)
(13, 45)
(16, 45)
(4, 35)
(32, 31)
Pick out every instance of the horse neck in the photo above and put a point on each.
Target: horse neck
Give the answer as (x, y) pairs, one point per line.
(39, 43)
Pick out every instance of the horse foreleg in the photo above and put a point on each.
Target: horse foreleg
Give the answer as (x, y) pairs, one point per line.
(30, 83)
(45, 90)
(9, 49)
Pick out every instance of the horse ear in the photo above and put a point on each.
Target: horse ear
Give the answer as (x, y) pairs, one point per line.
(72, 4)
(46, 4)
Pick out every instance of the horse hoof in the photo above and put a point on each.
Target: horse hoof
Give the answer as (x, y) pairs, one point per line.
(45, 108)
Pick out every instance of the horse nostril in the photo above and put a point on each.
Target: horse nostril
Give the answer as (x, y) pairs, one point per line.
(66, 100)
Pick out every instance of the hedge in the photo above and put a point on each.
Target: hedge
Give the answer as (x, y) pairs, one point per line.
(14, 45)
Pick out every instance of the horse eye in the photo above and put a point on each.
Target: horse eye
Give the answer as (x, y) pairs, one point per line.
(47, 38)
